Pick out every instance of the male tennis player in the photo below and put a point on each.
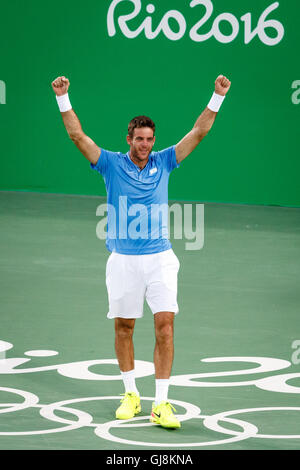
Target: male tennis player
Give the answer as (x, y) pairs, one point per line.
(142, 263)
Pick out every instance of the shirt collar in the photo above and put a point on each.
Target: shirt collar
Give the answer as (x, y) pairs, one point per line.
(135, 166)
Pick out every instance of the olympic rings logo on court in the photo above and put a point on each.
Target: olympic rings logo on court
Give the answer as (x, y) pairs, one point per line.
(104, 430)
(221, 422)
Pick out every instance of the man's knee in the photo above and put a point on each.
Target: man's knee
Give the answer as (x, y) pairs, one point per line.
(124, 328)
(164, 326)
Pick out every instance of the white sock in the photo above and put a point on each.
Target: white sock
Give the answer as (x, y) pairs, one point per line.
(129, 381)
(161, 390)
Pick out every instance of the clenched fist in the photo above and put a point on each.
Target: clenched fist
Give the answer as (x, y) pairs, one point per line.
(222, 85)
(60, 86)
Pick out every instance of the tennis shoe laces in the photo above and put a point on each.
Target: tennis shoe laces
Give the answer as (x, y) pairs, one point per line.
(130, 406)
(163, 414)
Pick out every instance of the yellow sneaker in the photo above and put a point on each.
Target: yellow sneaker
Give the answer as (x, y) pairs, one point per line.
(131, 406)
(162, 414)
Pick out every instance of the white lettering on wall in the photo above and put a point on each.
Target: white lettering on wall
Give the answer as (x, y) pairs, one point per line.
(194, 33)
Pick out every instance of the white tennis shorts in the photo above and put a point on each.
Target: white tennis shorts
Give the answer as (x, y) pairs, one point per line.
(130, 279)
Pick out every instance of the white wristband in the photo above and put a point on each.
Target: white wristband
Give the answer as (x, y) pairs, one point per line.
(64, 103)
(215, 102)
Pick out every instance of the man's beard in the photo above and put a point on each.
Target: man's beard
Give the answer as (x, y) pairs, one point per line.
(134, 154)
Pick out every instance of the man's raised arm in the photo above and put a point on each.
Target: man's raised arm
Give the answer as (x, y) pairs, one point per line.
(87, 146)
(205, 120)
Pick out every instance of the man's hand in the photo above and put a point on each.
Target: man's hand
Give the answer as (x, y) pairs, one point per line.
(60, 86)
(222, 85)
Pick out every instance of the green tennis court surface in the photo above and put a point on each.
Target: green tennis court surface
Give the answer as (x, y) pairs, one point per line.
(236, 374)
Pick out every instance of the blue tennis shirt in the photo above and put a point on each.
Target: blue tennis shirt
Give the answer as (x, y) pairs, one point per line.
(137, 201)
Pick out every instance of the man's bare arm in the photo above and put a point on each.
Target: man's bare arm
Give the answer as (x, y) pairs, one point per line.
(203, 124)
(85, 144)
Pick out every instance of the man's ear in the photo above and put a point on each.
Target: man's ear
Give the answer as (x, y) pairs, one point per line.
(128, 140)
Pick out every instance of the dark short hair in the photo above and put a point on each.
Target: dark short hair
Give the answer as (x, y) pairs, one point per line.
(138, 122)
